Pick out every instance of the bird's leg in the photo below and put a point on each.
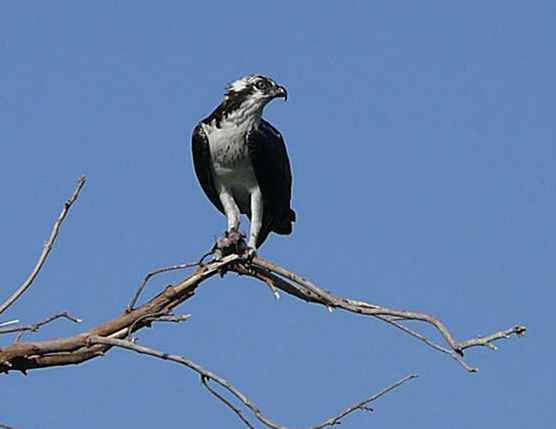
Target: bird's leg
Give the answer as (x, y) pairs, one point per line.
(232, 237)
(256, 222)
(232, 212)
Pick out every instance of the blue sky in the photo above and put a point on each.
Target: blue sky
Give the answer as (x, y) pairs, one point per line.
(423, 144)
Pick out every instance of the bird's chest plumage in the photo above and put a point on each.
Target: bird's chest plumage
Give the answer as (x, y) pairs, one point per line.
(228, 148)
(231, 164)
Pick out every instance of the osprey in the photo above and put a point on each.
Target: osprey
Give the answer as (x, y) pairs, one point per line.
(242, 163)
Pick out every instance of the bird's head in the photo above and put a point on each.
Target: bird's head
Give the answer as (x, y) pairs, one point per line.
(253, 91)
(257, 88)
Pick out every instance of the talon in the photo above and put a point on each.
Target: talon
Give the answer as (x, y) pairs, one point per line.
(233, 241)
(234, 237)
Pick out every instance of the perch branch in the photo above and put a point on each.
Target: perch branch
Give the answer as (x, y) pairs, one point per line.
(207, 376)
(71, 350)
(47, 247)
(294, 284)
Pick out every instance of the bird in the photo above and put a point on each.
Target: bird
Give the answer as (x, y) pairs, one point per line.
(242, 163)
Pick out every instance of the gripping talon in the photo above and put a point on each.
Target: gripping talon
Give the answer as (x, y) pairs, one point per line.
(233, 242)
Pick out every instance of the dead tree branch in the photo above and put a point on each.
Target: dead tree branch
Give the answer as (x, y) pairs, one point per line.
(47, 247)
(72, 350)
(24, 356)
(293, 284)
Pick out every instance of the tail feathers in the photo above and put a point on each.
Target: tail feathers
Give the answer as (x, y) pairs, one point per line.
(285, 226)
(291, 215)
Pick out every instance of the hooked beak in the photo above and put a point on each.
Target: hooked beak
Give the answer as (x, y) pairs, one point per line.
(281, 91)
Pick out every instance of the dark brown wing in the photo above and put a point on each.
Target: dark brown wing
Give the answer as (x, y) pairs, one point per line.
(202, 163)
(269, 157)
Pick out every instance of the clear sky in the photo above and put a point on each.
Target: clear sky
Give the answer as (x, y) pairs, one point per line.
(423, 143)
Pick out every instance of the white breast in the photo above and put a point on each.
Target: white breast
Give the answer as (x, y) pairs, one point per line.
(233, 172)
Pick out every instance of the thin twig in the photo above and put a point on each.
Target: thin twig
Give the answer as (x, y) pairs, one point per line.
(206, 375)
(3, 426)
(487, 341)
(34, 327)
(47, 247)
(153, 273)
(362, 406)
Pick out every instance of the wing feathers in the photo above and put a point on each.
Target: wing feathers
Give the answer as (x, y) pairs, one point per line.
(202, 163)
(269, 156)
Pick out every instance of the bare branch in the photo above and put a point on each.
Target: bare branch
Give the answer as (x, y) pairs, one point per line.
(47, 247)
(3, 426)
(302, 288)
(207, 376)
(487, 341)
(34, 327)
(73, 350)
(76, 349)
